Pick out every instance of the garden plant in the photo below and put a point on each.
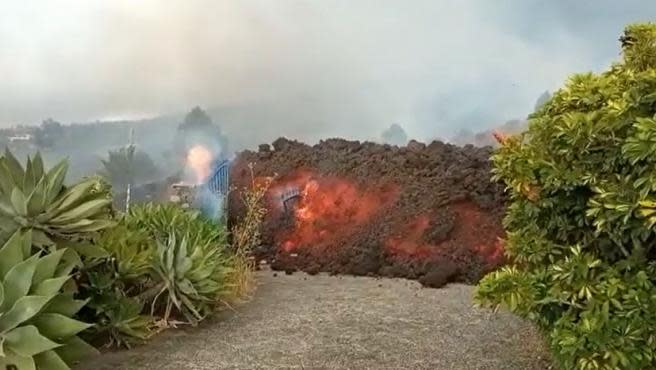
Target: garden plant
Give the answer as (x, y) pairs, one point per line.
(580, 224)
(75, 273)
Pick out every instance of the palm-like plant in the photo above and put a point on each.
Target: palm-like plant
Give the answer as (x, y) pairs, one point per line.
(127, 166)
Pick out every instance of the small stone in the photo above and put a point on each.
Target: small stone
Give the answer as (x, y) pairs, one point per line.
(294, 255)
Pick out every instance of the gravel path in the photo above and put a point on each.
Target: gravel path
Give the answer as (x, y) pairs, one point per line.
(326, 322)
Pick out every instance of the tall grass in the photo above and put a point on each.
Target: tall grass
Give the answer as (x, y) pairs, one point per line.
(246, 236)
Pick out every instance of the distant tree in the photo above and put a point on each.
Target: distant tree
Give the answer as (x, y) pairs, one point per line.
(395, 135)
(197, 128)
(541, 100)
(128, 166)
(48, 134)
(197, 118)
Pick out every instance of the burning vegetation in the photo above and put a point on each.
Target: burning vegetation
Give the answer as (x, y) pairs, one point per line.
(426, 212)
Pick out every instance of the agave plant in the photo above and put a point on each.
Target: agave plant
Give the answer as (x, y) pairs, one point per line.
(36, 328)
(191, 275)
(131, 251)
(118, 317)
(161, 219)
(191, 262)
(36, 199)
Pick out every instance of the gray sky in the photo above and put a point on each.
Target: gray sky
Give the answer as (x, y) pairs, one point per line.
(355, 66)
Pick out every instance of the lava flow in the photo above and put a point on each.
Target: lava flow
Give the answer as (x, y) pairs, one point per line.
(409, 243)
(473, 230)
(328, 208)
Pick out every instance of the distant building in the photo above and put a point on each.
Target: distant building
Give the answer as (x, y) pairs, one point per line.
(20, 137)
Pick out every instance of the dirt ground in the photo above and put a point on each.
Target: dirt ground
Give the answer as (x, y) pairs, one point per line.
(343, 322)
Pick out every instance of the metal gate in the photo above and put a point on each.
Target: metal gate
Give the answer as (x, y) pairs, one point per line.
(214, 193)
(219, 182)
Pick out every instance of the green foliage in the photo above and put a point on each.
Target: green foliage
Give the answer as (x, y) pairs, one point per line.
(36, 325)
(191, 262)
(36, 199)
(115, 281)
(128, 166)
(114, 302)
(581, 221)
(131, 251)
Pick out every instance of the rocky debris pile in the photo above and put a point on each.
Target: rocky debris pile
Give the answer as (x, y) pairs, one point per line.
(426, 212)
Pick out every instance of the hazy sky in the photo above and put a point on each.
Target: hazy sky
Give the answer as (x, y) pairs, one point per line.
(355, 65)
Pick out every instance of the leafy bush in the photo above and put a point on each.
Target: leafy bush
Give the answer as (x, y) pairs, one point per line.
(580, 224)
(36, 325)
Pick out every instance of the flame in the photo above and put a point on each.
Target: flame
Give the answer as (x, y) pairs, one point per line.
(199, 159)
(329, 208)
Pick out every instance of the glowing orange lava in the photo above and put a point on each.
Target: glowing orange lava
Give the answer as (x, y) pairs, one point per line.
(199, 159)
(328, 208)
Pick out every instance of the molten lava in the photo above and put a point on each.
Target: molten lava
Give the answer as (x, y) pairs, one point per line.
(199, 160)
(409, 243)
(473, 230)
(328, 208)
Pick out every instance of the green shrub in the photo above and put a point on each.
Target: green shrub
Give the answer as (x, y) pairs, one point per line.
(582, 184)
(36, 325)
(191, 261)
(114, 283)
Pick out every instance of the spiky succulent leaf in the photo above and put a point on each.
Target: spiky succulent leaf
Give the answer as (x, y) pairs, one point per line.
(37, 199)
(19, 202)
(59, 327)
(22, 310)
(18, 280)
(74, 349)
(27, 341)
(55, 178)
(65, 304)
(11, 360)
(14, 169)
(49, 360)
(11, 254)
(35, 314)
(47, 265)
